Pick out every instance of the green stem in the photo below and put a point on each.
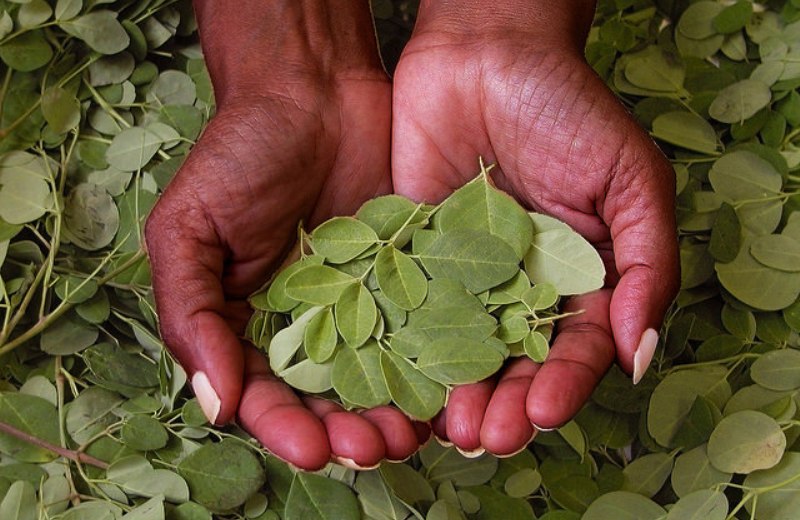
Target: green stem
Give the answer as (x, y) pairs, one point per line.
(66, 306)
(4, 90)
(23, 306)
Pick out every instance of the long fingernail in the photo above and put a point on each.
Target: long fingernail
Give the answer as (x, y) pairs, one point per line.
(644, 354)
(471, 454)
(206, 396)
(523, 448)
(350, 463)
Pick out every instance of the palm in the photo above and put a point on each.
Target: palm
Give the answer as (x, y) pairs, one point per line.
(225, 222)
(564, 146)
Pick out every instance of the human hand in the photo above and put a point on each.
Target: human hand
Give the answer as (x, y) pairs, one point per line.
(514, 88)
(301, 133)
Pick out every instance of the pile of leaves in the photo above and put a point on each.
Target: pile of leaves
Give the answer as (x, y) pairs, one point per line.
(404, 300)
(100, 102)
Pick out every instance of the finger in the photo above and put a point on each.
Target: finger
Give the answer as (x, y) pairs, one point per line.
(272, 413)
(466, 407)
(639, 210)
(399, 434)
(506, 427)
(354, 441)
(582, 352)
(187, 258)
(439, 427)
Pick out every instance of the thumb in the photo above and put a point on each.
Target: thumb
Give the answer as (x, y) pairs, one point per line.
(640, 211)
(187, 261)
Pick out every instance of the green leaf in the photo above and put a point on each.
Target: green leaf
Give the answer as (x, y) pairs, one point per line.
(19, 502)
(67, 9)
(91, 413)
(153, 509)
(308, 376)
(61, 110)
(357, 376)
(172, 87)
(475, 258)
(356, 313)
(673, 398)
(686, 130)
(454, 360)
(100, 30)
(34, 416)
(313, 497)
(757, 285)
(276, 297)
(495, 504)
(562, 258)
(24, 192)
(320, 337)
(655, 69)
(342, 239)
(523, 483)
(285, 344)
(779, 488)
(447, 464)
(69, 335)
(697, 21)
(780, 252)
(478, 205)
(701, 420)
(388, 214)
(377, 499)
(740, 101)
(742, 175)
(536, 346)
(91, 217)
(623, 505)
(144, 433)
(726, 234)
(694, 472)
(318, 284)
(27, 52)
(400, 278)
(132, 148)
(704, 504)
(412, 391)
(647, 474)
(222, 476)
(540, 297)
(733, 18)
(746, 441)
(136, 476)
(777, 370)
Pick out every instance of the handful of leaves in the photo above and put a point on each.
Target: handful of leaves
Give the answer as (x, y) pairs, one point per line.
(404, 299)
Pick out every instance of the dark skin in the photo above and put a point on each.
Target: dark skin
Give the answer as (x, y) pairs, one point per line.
(315, 136)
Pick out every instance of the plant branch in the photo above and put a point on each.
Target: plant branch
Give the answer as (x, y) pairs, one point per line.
(73, 455)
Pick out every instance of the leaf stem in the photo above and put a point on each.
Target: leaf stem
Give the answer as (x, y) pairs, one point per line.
(48, 320)
(77, 456)
(4, 90)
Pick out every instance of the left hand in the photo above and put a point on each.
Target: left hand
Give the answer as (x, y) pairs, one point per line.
(516, 90)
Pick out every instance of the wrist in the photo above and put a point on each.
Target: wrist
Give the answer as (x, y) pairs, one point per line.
(252, 47)
(564, 23)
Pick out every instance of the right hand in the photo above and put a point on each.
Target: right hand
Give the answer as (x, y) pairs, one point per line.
(301, 134)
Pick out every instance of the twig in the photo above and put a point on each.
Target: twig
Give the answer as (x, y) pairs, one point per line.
(76, 456)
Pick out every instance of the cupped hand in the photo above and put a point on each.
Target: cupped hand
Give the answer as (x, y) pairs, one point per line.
(564, 146)
(292, 141)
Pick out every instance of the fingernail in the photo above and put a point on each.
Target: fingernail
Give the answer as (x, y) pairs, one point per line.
(539, 428)
(206, 396)
(443, 442)
(644, 354)
(471, 454)
(350, 463)
(523, 448)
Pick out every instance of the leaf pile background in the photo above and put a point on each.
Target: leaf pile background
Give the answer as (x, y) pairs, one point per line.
(99, 103)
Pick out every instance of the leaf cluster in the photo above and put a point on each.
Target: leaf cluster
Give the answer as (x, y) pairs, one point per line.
(404, 300)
